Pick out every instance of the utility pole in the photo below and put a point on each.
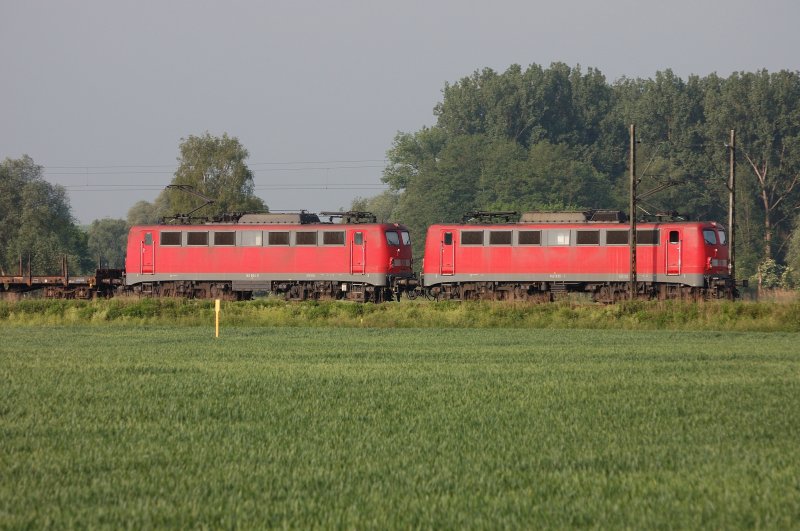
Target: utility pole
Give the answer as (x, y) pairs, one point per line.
(732, 206)
(632, 288)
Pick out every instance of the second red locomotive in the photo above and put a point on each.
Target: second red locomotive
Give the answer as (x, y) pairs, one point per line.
(549, 253)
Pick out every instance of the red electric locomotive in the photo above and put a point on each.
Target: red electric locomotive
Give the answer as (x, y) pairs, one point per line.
(294, 255)
(549, 253)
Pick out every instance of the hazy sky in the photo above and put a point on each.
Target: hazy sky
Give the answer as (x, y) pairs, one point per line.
(101, 92)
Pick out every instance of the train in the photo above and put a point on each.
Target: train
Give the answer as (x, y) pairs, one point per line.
(537, 256)
(547, 254)
(296, 256)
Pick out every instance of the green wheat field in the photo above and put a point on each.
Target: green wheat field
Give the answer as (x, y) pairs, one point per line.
(136, 424)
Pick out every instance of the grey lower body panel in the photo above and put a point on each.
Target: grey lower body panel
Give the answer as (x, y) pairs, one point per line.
(695, 280)
(257, 280)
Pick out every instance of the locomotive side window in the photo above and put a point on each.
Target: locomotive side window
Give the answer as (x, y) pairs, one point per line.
(500, 237)
(392, 238)
(471, 237)
(448, 238)
(404, 236)
(358, 238)
(148, 238)
(616, 237)
(278, 238)
(196, 238)
(647, 237)
(251, 238)
(674, 237)
(530, 237)
(558, 237)
(643, 237)
(305, 238)
(333, 238)
(170, 238)
(587, 237)
(710, 236)
(225, 238)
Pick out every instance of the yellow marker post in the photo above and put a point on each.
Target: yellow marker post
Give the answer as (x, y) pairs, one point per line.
(216, 312)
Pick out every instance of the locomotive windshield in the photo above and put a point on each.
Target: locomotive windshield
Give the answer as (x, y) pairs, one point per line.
(405, 237)
(392, 238)
(710, 236)
(723, 239)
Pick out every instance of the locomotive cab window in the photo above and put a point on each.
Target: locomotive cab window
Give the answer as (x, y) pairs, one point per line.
(148, 238)
(196, 238)
(500, 237)
(530, 237)
(405, 238)
(587, 237)
(225, 238)
(170, 238)
(674, 237)
(392, 238)
(448, 238)
(305, 238)
(710, 236)
(723, 240)
(278, 238)
(333, 238)
(358, 238)
(471, 237)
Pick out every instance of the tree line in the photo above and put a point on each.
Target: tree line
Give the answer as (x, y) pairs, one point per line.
(525, 139)
(38, 226)
(558, 138)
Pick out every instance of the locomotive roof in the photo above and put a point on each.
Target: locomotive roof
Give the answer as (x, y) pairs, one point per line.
(296, 218)
(588, 216)
(574, 224)
(274, 218)
(592, 216)
(510, 216)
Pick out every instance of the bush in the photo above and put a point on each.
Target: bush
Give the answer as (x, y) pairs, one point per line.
(772, 275)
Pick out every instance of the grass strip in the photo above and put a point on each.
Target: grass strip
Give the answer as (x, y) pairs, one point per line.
(671, 315)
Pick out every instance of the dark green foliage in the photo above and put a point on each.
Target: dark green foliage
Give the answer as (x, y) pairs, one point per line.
(144, 213)
(36, 222)
(212, 166)
(216, 168)
(107, 241)
(793, 253)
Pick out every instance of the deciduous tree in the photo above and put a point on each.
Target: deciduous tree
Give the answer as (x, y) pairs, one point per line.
(107, 240)
(214, 167)
(37, 222)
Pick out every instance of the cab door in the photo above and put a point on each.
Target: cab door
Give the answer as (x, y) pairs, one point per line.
(447, 263)
(358, 253)
(674, 252)
(146, 253)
